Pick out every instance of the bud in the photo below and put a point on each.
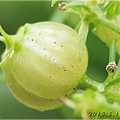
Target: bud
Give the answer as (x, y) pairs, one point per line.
(111, 67)
(61, 6)
(41, 63)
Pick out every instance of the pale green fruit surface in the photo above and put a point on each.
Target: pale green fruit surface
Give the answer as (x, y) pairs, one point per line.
(42, 65)
(26, 97)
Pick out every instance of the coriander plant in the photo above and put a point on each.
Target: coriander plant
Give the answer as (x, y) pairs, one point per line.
(45, 63)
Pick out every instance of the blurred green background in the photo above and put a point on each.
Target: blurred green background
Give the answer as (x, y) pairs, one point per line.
(14, 14)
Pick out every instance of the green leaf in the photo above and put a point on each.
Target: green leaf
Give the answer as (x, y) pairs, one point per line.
(113, 11)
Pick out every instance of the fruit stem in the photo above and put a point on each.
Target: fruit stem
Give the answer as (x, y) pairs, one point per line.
(5, 38)
(68, 102)
(87, 82)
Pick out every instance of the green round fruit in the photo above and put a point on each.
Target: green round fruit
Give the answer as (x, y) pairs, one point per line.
(41, 63)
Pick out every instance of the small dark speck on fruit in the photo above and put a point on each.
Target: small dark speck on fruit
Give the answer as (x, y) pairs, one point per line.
(54, 42)
(32, 39)
(44, 48)
(73, 88)
(64, 70)
(50, 76)
(61, 45)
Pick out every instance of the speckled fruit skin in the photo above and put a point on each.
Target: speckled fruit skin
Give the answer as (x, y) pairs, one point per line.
(43, 64)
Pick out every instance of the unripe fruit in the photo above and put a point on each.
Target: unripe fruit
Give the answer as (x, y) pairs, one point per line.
(41, 63)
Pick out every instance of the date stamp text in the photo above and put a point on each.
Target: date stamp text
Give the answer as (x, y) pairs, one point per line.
(103, 114)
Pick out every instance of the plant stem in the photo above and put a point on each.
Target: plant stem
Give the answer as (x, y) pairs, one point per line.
(117, 73)
(112, 96)
(112, 55)
(108, 79)
(112, 84)
(112, 50)
(78, 26)
(82, 36)
(7, 40)
(87, 82)
(2, 39)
